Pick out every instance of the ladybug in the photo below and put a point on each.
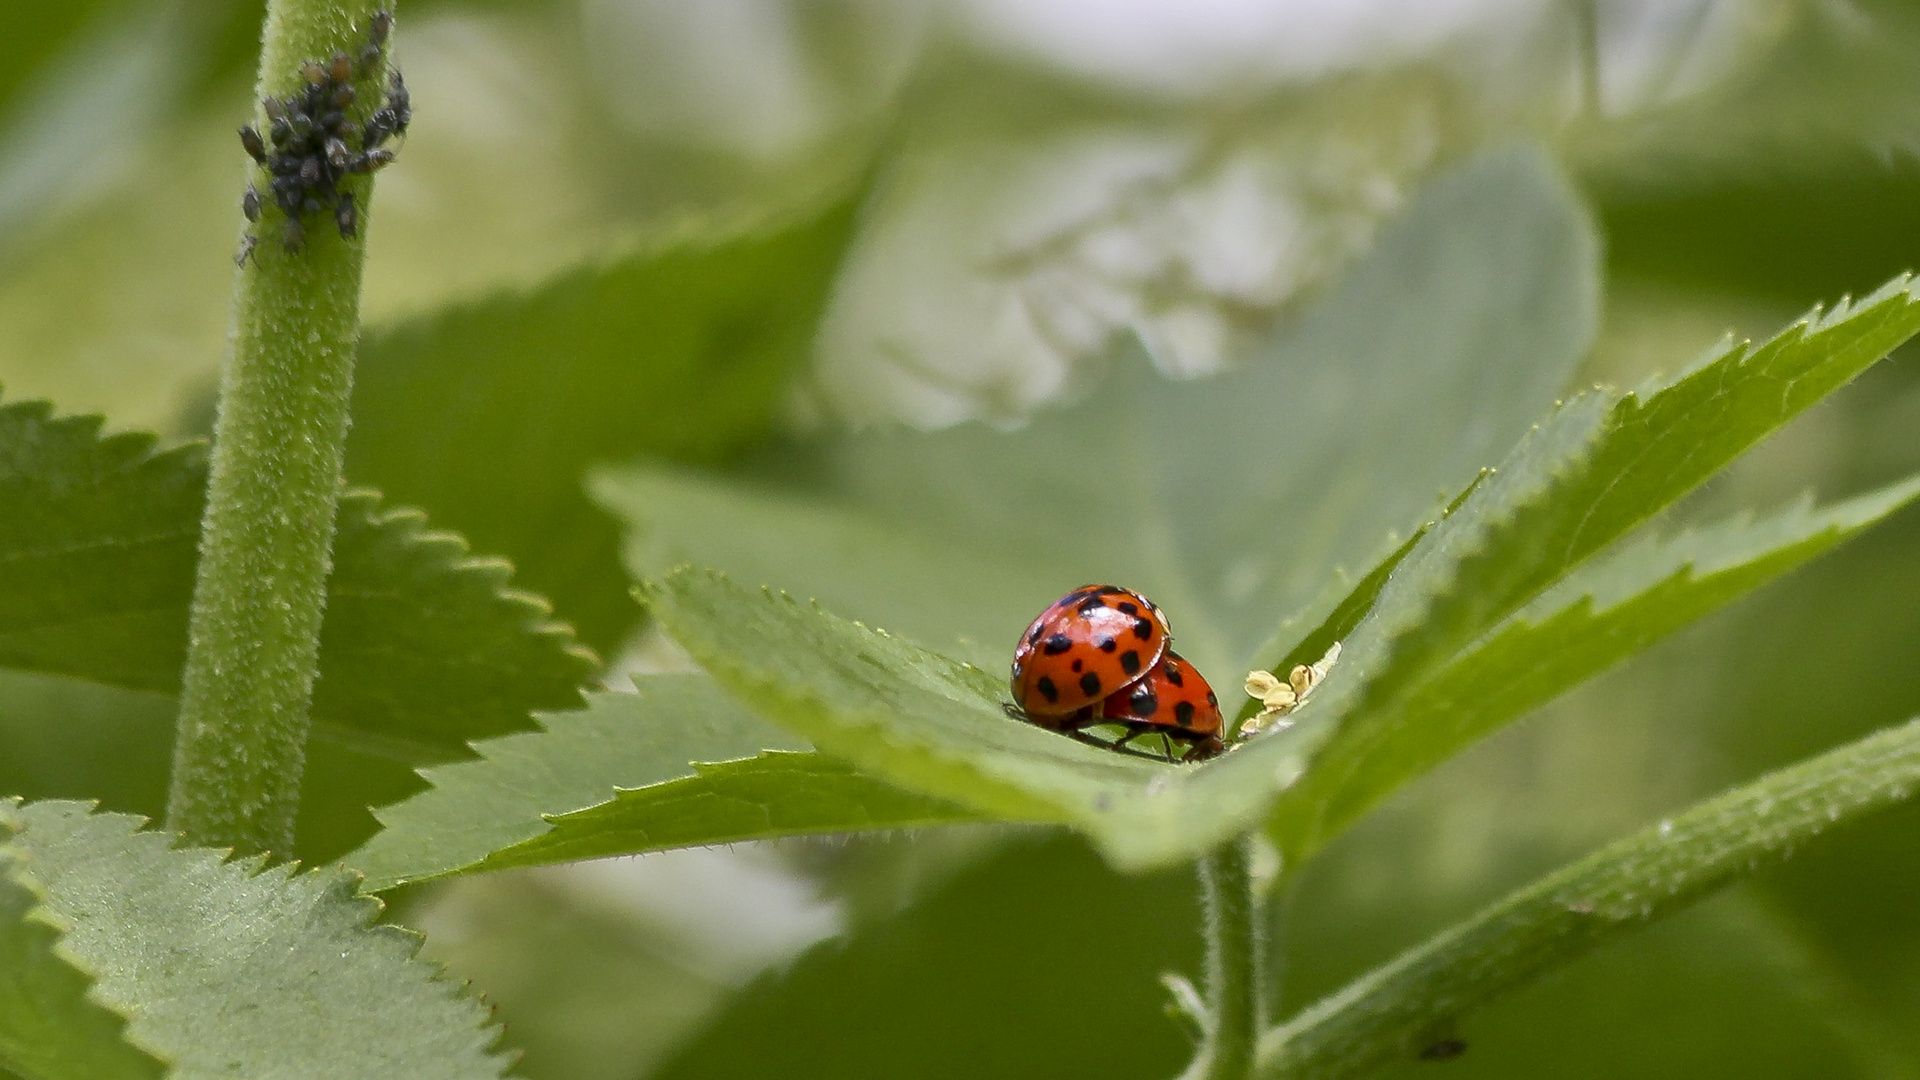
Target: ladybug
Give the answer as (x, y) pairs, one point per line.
(1095, 641)
(1171, 700)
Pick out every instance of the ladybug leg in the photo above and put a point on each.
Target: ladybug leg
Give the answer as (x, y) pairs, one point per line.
(1202, 749)
(1166, 747)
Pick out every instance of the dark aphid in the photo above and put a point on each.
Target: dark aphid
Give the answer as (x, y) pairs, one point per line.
(317, 144)
(247, 244)
(250, 139)
(399, 101)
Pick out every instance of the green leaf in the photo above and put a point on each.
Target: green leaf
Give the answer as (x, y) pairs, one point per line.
(1395, 1011)
(423, 647)
(937, 726)
(48, 1027)
(490, 412)
(1599, 467)
(675, 765)
(1232, 501)
(1596, 469)
(1605, 612)
(230, 970)
(846, 559)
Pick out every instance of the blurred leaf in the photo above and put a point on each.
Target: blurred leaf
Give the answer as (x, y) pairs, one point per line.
(423, 648)
(1232, 501)
(1037, 965)
(227, 969)
(1395, 1011)
(490, 412)
(845, 558)
(48, 1026)
(1605, 612)
(676, 765)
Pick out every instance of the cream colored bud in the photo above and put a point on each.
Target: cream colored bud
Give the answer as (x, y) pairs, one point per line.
(1261, 683)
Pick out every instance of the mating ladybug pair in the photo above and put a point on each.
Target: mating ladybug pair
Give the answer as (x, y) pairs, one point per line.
(1099, 655)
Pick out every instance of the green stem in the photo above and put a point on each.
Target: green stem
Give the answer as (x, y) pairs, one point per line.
(1409, 1007)
(1234, 955)
(267, 537)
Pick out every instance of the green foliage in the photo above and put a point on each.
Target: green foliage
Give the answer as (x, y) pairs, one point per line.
(1604, 613)
(1589, 475)
(488, 412)
(1637, 879)
(48, 1027)
(677, 764)
(932, 725)
(227, 969)
(1234, 501)
(422, 647)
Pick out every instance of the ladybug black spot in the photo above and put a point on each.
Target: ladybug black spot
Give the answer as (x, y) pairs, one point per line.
(1047, 689)
(1034, 638)
(1077, 665)
(1106, 644)
(1090, 605)
(1131, 661)
(1212, 699)
(1127, 609)
(1143, 702)
(1172, 671)
(1090, 684)
(1183, 714)
(1143, 629)
(1058, 644)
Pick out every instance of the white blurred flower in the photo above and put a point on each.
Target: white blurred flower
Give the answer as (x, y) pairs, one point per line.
(1192, 48)
(764, 79)
(989, 270)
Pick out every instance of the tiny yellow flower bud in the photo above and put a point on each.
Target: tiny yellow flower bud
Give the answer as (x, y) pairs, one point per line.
(1261, 683)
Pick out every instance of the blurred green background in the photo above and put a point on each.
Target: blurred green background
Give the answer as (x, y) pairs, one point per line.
(680, 233)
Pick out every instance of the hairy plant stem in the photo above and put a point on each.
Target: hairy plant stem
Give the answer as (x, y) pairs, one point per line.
(1409, 1007)
(1235, 953)
(267, 537)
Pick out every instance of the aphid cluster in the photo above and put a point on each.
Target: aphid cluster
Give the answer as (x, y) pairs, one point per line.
(1101, 655)
(313, 143)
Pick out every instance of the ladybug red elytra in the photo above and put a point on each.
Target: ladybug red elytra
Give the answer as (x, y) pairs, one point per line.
(1092, 642)
(1171, 700)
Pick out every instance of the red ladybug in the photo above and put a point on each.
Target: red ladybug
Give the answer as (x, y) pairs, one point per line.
(1095, 641)
(1172, 700)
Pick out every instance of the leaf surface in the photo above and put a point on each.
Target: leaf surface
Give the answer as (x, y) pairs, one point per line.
(490, 412)
(1607, 611)
(422, 649)
(49, 1028)
(230, 970)
(940, 727)
(1232, 501)
(676, 764)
